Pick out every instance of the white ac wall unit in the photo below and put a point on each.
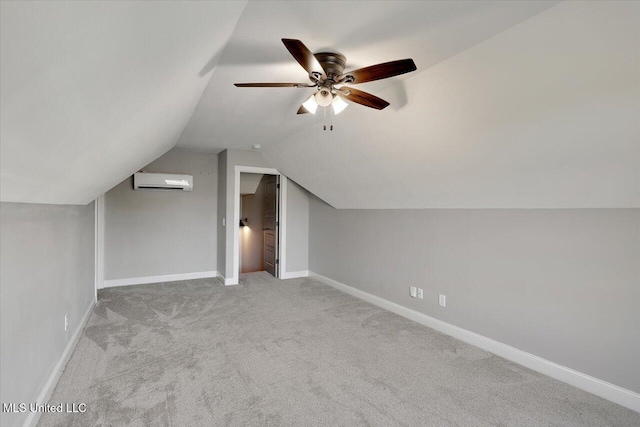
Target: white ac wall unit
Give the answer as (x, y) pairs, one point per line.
(162, 181)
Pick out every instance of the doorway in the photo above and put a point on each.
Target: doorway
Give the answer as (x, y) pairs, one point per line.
(233, 232)
(258, 239)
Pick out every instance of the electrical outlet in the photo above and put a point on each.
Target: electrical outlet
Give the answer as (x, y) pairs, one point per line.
(413, 291)
(442, 300)
(420, 293)
(66, 321)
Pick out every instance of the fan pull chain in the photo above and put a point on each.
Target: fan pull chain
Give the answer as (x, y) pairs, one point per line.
(324, 119)
(330, 118)
(324, 126)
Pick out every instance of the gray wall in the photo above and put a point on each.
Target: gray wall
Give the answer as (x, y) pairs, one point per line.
(235, 158)
(560, 284)
(222, 213)
(46, 271)
(153, 233)
(297, 216)
(297, 228)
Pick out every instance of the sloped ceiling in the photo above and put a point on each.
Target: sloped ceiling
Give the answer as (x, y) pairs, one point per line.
(249, 182)
(366, 33)
(92, 91)
(543, 115)
(515, 104)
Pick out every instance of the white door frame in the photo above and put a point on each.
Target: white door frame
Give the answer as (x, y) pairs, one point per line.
(282, 231)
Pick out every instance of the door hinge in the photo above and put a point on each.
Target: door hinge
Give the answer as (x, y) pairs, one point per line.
(277, 261)
(277, 185)
(277, 223)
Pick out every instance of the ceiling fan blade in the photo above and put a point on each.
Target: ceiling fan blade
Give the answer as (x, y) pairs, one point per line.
(273, 85)
(382, 71)
(303, 55)
(302, 110)
(362, 98)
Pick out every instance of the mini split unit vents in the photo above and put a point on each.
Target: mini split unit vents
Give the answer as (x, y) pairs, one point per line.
(162, 181)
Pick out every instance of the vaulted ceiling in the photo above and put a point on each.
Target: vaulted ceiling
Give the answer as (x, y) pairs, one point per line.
(514, 104)
(92, 91)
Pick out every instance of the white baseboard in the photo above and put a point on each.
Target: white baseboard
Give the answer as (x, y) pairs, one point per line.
(160, 279)
(606, 390)
(45, 394)
(228, 281)
(294, 274)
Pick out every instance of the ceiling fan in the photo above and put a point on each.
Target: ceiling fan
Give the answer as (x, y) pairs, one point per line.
(326, 72)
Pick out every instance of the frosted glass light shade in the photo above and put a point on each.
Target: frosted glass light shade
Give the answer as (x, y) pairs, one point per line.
(324, 97)
(338, 105)
(310, 104)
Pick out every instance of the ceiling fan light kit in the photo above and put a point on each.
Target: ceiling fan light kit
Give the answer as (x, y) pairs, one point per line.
(310, 105)
(326, 71)
(338, 105)
(324, 97)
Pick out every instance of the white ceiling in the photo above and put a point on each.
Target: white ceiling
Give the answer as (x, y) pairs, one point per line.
(92, 91)
(249, 182)
(543, 115)
(515, 104)
(429, 32)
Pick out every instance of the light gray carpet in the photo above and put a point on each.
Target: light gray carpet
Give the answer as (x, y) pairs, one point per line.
(294, 352)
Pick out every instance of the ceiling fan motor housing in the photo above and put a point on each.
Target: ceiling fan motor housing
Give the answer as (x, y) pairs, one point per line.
(332, 63)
